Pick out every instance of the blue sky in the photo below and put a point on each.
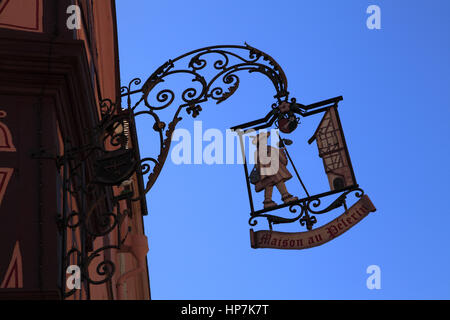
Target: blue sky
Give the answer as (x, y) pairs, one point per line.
(395, 113)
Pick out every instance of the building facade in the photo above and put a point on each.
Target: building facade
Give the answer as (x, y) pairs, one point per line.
(71, 210)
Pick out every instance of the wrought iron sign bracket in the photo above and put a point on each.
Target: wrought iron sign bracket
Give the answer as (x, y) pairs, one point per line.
(88, 174)
(226, 62)
(91, 170)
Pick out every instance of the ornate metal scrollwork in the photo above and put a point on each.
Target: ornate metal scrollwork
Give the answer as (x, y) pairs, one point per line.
(90, 209)
(90, 171)
(307, 217)
(86, 224)
(214, 75)
(110, 157)
(217, 83)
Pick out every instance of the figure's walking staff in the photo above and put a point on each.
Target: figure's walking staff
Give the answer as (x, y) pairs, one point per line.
(282, 145)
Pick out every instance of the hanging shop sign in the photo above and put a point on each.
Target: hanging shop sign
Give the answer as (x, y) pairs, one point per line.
(303, 206)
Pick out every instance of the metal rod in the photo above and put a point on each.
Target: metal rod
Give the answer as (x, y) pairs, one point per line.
(323, 103)
(139, 177)
(246, 172)
(345, 144)
(84, 223)
(63, 226)
(310, 113)
(130, 93)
